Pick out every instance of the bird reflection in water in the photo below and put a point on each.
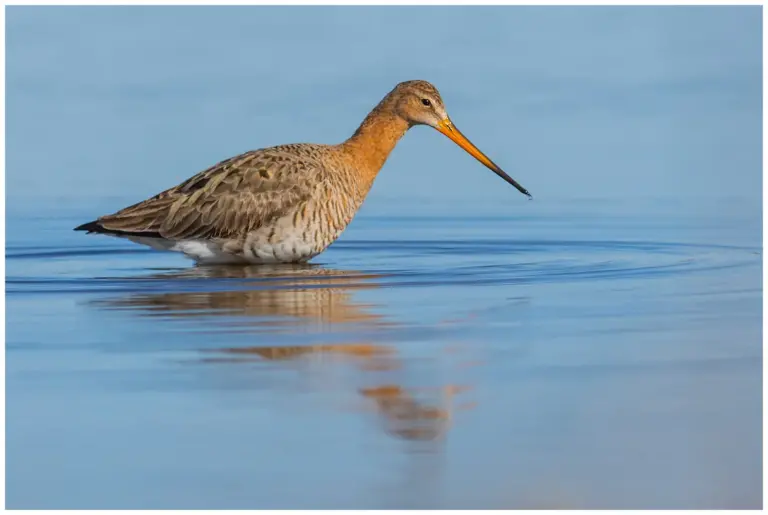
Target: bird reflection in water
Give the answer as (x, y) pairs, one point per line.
(283, 298)
(261, 295)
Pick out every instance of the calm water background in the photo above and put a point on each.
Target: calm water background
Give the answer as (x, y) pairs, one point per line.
(459, 346)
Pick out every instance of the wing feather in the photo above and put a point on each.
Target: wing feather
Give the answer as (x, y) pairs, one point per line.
(228, 200)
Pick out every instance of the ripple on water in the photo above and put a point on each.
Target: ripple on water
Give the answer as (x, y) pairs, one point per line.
(404, 263)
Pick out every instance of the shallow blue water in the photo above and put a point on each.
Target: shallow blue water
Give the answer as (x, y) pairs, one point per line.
(558, 370)
(459, 346)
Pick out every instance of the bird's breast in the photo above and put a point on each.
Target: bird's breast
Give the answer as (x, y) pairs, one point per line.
(304, 231)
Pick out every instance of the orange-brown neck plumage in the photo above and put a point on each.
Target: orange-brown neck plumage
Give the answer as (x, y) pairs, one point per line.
(375, 139)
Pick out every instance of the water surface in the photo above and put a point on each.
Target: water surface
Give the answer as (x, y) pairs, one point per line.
(423, 361)
(459, 346)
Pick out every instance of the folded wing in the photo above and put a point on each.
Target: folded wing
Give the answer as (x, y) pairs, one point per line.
(228, 200)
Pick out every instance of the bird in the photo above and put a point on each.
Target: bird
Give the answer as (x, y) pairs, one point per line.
(286, 203)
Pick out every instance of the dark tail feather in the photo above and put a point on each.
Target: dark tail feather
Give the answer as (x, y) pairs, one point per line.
(90, 227)
(96, 227)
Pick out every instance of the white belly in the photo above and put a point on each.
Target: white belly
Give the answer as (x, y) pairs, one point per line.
(257, 248)
(206, 252)
(210, 253)
(290, 250)
(203, 252)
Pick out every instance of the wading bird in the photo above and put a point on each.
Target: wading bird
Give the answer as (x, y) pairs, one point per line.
(283, 204)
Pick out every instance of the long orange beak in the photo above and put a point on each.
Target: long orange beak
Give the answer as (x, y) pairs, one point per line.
(450, 130)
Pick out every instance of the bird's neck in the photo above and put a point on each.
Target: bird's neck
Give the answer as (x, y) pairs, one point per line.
(371, 144)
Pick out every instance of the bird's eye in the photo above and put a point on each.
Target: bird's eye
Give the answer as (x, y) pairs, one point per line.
(426, 102)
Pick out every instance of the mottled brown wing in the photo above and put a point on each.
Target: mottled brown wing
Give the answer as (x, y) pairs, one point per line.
(228, 200)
